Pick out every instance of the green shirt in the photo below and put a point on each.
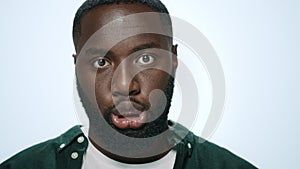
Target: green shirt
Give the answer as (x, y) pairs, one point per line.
(67, 151)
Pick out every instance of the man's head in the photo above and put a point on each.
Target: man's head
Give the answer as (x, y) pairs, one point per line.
(155, 5)
(125, 64)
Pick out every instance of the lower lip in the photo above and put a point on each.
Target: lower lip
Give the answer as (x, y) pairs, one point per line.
(129, 122)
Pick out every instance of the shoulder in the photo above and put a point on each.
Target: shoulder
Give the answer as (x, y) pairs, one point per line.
(211, 155)
(201, 153)
(42, 154)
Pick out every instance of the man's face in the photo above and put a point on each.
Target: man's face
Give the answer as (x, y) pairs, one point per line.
(118, 77)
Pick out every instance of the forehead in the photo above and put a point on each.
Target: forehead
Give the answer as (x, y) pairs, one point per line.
(110, 23)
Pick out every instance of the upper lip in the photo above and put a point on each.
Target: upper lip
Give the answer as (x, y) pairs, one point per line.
(127, 109)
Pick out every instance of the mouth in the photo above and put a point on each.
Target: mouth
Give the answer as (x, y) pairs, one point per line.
(128, 117)
(126, 120)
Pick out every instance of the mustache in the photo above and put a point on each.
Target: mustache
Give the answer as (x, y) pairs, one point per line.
(141, 106)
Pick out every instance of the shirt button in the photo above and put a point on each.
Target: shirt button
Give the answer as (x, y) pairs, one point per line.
(74, 155)
(62, 145)
(80, 139)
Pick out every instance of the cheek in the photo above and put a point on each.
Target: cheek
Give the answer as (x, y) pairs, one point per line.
(95, 86)
(103, 83)
(155, 83)
(102, 90)
(158, 77)
(154, 79)
(86, 80)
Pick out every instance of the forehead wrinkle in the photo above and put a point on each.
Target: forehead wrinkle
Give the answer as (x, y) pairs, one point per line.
(105, 14)
(112, 14)
(109, 35)
(97, 51)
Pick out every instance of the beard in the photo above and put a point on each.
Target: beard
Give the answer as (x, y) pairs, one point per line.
(149, 129)
(124, 142)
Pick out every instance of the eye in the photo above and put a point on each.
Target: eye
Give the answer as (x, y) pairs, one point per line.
(101, 63)
(145, 59)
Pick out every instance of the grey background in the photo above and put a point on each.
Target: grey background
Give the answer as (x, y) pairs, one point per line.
(257, 43)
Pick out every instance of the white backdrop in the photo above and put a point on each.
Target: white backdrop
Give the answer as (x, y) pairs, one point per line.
(257, 43)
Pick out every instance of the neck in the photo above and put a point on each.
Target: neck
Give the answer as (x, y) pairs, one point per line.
(149, 149)
(129, 160)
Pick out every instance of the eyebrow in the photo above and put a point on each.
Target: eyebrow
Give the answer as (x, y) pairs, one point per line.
(145, 46)
(97, 51)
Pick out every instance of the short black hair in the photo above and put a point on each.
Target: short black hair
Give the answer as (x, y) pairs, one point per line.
(156, 5)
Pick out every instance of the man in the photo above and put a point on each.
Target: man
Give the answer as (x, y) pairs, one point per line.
(125, 69)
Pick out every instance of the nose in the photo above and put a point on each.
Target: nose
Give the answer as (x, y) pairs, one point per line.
(124, 83)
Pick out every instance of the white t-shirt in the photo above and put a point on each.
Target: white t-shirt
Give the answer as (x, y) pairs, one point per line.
(95, 159)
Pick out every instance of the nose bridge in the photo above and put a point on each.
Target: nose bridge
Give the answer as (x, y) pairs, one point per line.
(123, 74)
(123, 82)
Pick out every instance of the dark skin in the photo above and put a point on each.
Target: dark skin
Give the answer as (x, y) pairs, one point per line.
(119, 62)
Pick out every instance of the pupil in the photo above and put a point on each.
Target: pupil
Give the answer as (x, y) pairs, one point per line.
(146, 58)
(101, 62)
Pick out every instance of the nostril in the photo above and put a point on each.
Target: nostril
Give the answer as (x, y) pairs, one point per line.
(134, 92)
(125, 90)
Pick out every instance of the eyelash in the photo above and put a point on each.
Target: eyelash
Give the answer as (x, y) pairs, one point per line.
(96, 65)
(137, 61)
(151, 59)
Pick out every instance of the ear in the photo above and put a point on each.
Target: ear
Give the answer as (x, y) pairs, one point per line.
(174, 56)
(75, 58)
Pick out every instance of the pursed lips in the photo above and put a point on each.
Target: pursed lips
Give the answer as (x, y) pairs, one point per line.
(128, 114)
